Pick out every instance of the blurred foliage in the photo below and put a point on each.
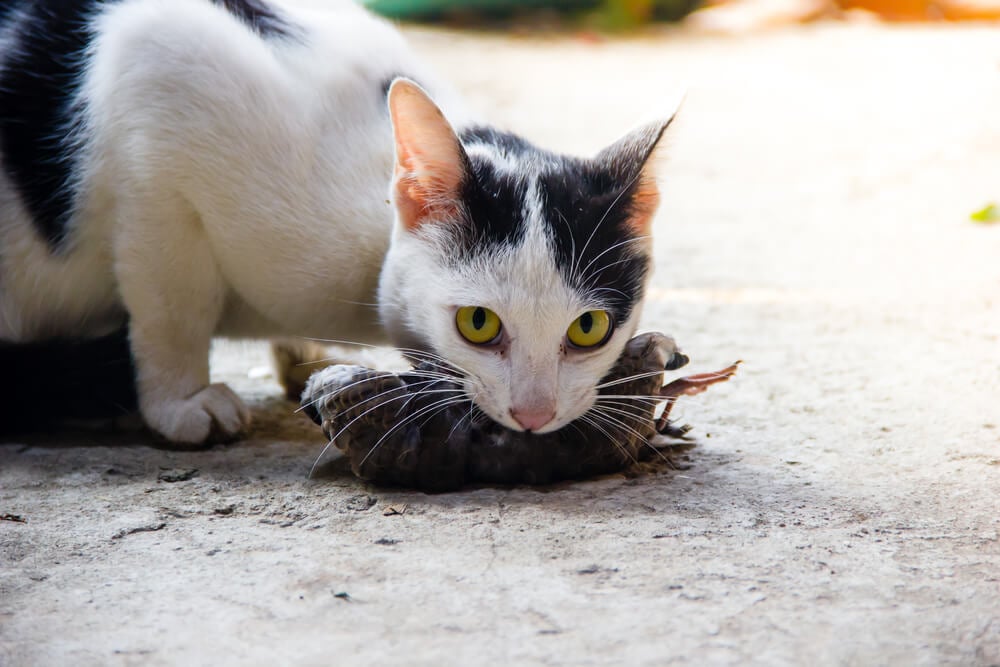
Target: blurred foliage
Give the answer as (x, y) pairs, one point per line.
(438, 9)
(609, 15)
(989, 213)
(626, 14)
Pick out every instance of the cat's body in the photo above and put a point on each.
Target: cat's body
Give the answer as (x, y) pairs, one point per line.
(184, 101)
(222, 167)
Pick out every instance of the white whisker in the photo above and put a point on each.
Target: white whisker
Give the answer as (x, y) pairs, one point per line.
(632, 397)
(612, 248)
(590, 417)
(621, 194)
(369, 411)
(339, 390)
(630, 378)
(472, 408)
(643, 439)
(608, 412)
(425, 354)
(347, 426)
(438, 406)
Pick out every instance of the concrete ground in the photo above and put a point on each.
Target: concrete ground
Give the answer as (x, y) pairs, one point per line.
(842, 505)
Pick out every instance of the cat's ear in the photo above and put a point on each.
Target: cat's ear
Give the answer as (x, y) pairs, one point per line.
(430, 161)
(632, 162)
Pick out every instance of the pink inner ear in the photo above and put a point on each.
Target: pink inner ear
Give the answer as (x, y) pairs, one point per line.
(429, 158)
(409, 201)
(426, 192)
(645, 202)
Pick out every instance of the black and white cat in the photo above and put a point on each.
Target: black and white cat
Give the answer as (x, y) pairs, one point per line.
(266, 168)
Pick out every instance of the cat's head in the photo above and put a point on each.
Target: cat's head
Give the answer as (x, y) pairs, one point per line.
(524, 269)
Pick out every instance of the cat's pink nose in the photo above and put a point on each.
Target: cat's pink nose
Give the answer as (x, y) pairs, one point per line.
(533, 419)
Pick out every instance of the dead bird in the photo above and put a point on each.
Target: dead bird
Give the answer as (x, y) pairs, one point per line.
(419, 429)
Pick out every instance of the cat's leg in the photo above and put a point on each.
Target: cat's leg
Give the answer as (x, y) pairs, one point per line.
(174, 292)
(295, 360)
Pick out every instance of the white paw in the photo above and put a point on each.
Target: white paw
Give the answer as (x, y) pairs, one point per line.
(215, 412)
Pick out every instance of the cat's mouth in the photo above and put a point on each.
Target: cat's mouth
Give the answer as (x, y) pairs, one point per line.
(438, 375)
(533, 420)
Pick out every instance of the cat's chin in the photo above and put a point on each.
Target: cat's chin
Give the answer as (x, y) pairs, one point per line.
(548, 428)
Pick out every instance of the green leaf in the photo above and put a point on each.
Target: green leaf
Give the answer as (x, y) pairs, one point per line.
(990, 213)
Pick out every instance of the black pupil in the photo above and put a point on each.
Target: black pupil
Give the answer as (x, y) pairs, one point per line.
(479, 318)
(586, 322)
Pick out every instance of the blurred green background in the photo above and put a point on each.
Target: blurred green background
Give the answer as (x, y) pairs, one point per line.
(603, 14)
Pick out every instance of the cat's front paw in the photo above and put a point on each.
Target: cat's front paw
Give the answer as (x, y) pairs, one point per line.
(213, 413)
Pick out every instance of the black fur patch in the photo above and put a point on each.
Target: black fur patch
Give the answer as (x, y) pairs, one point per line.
(611, 263)
(494, 204)
(49, 382)
(39, 80)
(588, 213)
(260, 16)
(493, 199)
(586, 204)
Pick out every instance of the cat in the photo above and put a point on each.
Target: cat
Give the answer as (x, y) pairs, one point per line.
(174, 170)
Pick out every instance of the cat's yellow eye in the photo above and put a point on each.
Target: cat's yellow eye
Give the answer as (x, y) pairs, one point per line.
(477, 324)
(590, 329)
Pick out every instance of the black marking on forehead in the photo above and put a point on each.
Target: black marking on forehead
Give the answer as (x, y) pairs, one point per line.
(588, 211)
(586, 206)
(40, 78)
(492, 197)
(260, 16)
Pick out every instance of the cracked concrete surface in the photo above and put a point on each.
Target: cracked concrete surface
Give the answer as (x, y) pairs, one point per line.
(841, 506)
